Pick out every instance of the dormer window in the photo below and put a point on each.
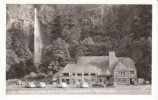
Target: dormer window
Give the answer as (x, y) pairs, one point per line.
(122, 61)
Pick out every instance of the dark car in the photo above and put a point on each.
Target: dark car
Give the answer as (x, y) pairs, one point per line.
(98, 85)
(110, 85)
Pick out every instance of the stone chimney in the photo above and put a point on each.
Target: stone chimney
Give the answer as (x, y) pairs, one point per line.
(112, 59)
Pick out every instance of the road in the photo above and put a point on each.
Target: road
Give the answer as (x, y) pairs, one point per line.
(120, 90)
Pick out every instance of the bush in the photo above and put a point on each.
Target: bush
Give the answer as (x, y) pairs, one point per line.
(12, 81)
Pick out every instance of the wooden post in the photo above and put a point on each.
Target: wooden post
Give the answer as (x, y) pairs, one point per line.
(96, 77)
(128, 78)
(82, 77)
(70, 78)
(89, 75)
(75, 77)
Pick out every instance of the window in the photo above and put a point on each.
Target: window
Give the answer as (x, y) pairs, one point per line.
(122, 73)
(100, 80)
(67, 81)
(122, 61)
(121, 80)
(86, 74)
(73, 74)
(63, 80)
(65, 74)
(107, 78)
(92, 74)
(132, 72)
(79, 74)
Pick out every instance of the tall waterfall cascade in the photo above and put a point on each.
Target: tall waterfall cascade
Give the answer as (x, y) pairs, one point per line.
(37, 42)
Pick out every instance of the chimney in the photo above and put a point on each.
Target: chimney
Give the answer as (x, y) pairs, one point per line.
(112, 59)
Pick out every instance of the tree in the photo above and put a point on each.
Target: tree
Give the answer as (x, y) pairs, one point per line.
(146, 20)
(70, 30)
(18, 53)
(141, 33)
(137, 28)
(85, 47)
(66, 23)
(144, 63)
(57, 52)
(19, 43)
(56, 28)
(46, 14)
(141, 25)
(11, 59)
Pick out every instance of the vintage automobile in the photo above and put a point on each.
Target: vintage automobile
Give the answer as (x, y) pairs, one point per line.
(30, 85)
(62, 85)
(41, 85)
(98, 85)
(82, 85)
(20, 82)
(110, 85)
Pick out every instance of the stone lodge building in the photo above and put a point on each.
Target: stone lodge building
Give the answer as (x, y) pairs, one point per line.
(100, 69)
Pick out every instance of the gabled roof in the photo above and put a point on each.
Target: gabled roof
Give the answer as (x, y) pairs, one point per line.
(128, 62)
(88, 64)
(90, 59)
(80, 68)
(97, 64)
(120, 66)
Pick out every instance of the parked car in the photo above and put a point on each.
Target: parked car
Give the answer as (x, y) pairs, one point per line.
(30, 85)
(20, 82)
(62, 85)
(98, 85)
(83, 85)
(41, 85)
(110, 85)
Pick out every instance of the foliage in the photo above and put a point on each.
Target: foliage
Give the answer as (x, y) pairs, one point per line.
(46, 14)
(86, 30)
(11, 58)
(18, 42)
(57, 52)
(18, 54)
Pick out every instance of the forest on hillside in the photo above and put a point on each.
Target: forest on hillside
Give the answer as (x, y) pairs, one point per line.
(69, 31)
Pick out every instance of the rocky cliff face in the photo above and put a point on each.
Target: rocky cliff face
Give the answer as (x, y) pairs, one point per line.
(21, 17)
(19, 39)
(22, 14)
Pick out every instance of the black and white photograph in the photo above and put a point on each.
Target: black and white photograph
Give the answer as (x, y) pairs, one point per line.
(79, 49)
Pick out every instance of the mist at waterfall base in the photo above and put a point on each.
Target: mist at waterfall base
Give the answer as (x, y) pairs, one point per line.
(37, 42)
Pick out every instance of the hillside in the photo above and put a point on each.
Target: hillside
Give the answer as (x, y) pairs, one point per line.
(69, 31)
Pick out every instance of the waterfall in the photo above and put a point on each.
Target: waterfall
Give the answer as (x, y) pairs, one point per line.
(37, 42)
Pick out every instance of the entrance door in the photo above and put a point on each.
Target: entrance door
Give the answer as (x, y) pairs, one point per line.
(67, 81)
(131, 81)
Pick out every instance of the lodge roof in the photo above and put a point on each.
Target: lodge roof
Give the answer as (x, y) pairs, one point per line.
(98, 64)
(120, 66)
(128, 62)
